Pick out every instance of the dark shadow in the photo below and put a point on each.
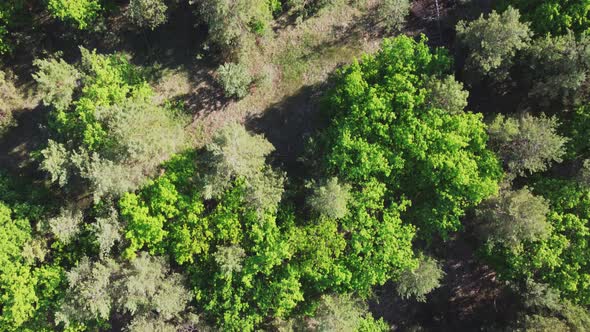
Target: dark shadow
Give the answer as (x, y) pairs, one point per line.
(171, 45)
(470, 298)
(288, 124)
(21, 140)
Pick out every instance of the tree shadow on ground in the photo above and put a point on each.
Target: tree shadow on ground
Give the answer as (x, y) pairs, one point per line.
(470, 298)
(288, 124)
(27, 136)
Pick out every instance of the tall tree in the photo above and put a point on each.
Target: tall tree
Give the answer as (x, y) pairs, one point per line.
(514, 217)
(557, 69)
(527, 144)
(493, 42)
(390, 144)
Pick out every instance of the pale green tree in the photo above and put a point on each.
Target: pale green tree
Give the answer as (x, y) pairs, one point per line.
(447, 94)
(513, 217)
(234, 153)
(229, 258)
(66, 225)
(336, 313)
(330, 199)
(56, 162)
(558, 67)
(235, 79)
(492, 42)
(56, 81)
(419, 282)
(107, 230)
(231, 21)
(527, 144)
(144, 290)
(393, 13)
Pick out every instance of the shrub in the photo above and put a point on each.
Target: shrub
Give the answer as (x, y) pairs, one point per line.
(393, 13)
(147, 13)
(235, 79)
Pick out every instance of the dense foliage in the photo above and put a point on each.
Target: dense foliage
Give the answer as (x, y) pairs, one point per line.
(558, 255)
(82, 13)
(554, 16)
(227, 165)
(394, 147)
(493, 41)
(112, 136)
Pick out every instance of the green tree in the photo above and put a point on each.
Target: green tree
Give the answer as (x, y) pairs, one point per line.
(527, 144)
(249, 264)
(81, 13)
(559, 259)
(17, 282)
(9, 21)
(557, 68)
(147, 13)
(420, 281)
(493, 42)
(113, 135)
(230, 22)
(387, 142)
(577, 127)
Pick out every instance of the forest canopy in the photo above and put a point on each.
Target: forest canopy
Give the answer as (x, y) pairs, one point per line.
(296, 165)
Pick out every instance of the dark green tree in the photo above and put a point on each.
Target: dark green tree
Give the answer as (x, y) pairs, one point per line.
(147, 13)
